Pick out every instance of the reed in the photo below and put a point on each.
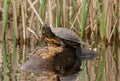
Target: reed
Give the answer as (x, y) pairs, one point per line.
(101, 20)
(95, 21)
(83, 24)
(4, 53)
(14, 54)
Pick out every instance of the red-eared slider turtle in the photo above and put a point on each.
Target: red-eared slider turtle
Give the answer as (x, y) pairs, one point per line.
(63, 37)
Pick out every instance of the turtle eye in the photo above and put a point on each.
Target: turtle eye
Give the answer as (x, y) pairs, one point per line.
(52, 41)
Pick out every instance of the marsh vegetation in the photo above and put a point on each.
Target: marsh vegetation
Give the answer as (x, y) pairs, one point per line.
(95, 21)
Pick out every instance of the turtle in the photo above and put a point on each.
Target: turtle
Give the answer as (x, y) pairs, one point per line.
(60, 35)
(63, 37)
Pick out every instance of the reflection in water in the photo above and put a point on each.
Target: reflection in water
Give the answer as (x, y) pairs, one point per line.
(110, 66)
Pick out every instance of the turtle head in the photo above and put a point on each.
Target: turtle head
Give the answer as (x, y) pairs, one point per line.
(46, 28)
(47, 32)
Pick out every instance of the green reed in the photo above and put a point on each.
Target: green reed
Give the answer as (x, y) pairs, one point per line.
(101, 20)
(42, 8)
(83, 24)
(66, 16)
(14, 54)
(4, 52)
(83, 19)
(58, 15)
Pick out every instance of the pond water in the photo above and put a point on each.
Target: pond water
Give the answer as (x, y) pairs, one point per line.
(105, 67)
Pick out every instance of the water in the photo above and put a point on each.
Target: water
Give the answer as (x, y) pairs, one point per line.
(106, 67)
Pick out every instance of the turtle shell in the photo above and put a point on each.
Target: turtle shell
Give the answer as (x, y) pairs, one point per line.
(67, 35)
